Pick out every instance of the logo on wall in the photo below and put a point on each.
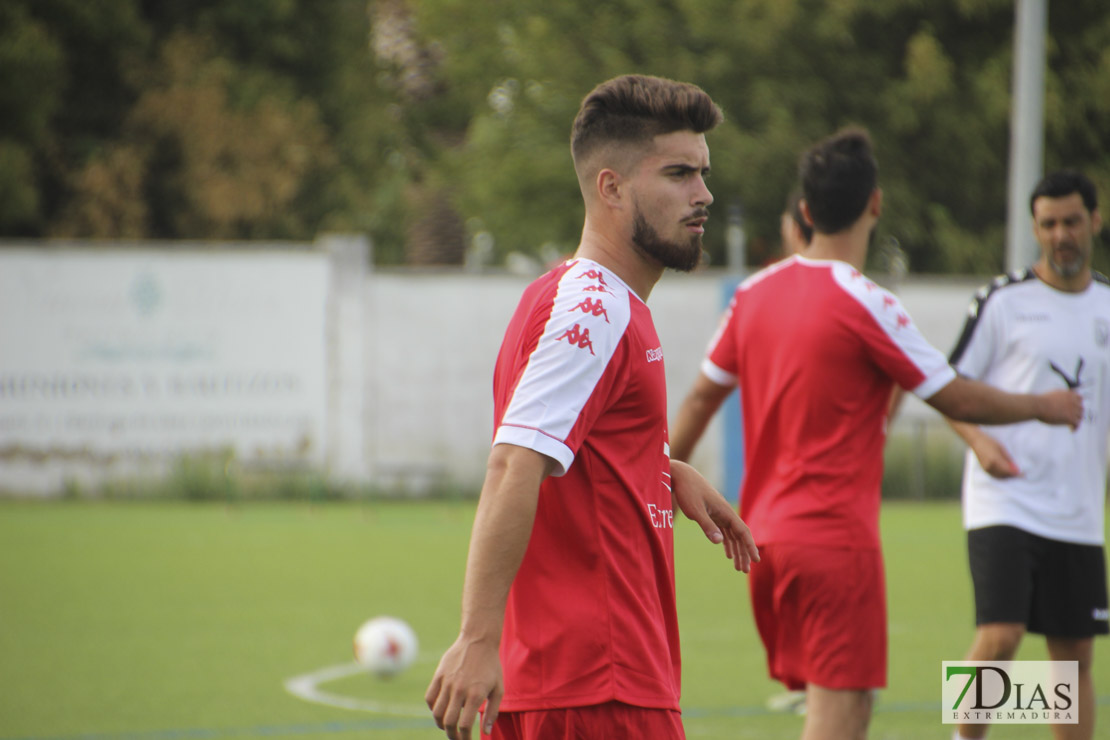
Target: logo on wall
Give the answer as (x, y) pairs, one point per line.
(145, 294)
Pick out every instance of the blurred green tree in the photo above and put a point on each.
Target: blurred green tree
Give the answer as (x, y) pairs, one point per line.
(930, 80)
(438, 124)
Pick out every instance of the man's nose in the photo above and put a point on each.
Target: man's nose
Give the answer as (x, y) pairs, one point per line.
(703, 197)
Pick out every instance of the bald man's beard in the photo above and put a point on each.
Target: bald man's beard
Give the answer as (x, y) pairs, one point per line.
(677, 255)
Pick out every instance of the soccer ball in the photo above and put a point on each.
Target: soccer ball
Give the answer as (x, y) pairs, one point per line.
(385, 645)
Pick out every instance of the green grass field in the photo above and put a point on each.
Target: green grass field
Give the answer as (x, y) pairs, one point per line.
(159, 620)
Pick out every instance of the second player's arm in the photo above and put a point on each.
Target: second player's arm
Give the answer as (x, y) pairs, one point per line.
(971, 401)
(470, 671)
(702, 401)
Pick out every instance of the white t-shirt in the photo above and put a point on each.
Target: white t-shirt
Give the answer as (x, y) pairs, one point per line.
(1025, 337)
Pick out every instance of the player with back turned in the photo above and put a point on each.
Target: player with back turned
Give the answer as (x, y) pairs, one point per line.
(816, 347)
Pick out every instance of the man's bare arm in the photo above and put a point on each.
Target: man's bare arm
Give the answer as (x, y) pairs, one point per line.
(971, 401)
(470, 671)
(702, 401)
(992, 455)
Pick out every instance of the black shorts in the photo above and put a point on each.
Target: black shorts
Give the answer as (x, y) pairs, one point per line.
(1054, 588)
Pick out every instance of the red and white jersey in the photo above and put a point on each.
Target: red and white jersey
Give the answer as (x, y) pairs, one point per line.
(816, 348)
(591, 614)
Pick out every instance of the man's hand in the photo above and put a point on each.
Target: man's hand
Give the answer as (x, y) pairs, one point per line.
(994, 457)
(468, 675)
(1060, 407)
(470, 671)
(700, 501)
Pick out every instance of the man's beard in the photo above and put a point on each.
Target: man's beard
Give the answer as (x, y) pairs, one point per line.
(672, 254)
(1067, 269)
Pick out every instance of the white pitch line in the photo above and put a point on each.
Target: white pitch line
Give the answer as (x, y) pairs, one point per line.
(306, 687)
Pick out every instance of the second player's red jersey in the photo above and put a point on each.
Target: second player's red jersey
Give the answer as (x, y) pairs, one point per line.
(816, 348)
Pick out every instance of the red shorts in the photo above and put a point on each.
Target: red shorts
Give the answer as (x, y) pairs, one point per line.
(821, 613)
(610, 720)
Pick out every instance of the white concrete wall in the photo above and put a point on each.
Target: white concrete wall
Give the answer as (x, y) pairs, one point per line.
(433, 339)
(393, 368)
(432, 343)
(114, 360)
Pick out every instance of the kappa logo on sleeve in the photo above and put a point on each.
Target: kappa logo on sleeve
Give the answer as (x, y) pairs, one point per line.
(593, 307)
(593, 274)
(576, 336)
(601, 286)
(902, 320)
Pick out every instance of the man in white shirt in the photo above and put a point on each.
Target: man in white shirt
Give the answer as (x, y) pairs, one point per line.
(1033, 494)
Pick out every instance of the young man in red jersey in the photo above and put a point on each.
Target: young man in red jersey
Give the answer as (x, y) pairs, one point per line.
(815, 348)
(569, 624)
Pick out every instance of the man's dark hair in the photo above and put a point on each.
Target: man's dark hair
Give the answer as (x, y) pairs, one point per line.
(636, 108)
(1063, 183)
(838, 175)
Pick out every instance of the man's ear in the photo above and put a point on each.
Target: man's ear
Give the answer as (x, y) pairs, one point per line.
(1096, 222)
(876, 204)
(609, 189)
(804, 207)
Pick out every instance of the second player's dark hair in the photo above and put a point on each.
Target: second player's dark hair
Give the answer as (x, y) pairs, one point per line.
(838, 175)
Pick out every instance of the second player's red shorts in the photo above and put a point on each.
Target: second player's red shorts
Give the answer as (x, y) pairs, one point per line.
(821, 613)
(610, 720)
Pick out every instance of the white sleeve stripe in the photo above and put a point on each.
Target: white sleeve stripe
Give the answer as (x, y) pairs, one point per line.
(934, 383)
(717, 375)
(589, 315)
(889, 314)
(533, 439)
